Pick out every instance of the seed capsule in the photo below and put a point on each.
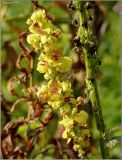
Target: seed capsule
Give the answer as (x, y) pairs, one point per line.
(93, 48)
(77, 42)
(85, 24)
(75, 22)
(99, 62)
(90, 18)
(70, 6)
(91, 79)
(88, 5)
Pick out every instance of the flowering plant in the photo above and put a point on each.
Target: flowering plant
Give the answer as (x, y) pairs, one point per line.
(57, 93)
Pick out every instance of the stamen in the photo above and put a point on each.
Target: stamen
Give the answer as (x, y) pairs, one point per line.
(55, 57)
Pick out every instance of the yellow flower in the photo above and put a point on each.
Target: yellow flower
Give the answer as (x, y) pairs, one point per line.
(42, 66)
(66, 86)
(81, 117)
(34, 40)
(51, 94)
(64, 135)
(38, 15)
(67, 122)
(65, 65)
(54, 104)
(43, 93)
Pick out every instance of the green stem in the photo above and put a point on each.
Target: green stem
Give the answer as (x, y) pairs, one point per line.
(90, 78)
(94, 97)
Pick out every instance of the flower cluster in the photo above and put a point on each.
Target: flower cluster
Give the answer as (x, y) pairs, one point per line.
(44, 37)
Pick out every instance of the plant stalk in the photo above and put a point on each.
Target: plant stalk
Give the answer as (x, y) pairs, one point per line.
(90, 79)
(94, 97)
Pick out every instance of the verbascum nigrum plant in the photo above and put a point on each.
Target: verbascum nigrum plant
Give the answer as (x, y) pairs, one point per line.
(44, 37)
(86, 43)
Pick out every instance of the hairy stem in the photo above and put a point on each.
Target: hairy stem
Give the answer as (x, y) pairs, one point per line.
(94, 97)
(86, 39)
